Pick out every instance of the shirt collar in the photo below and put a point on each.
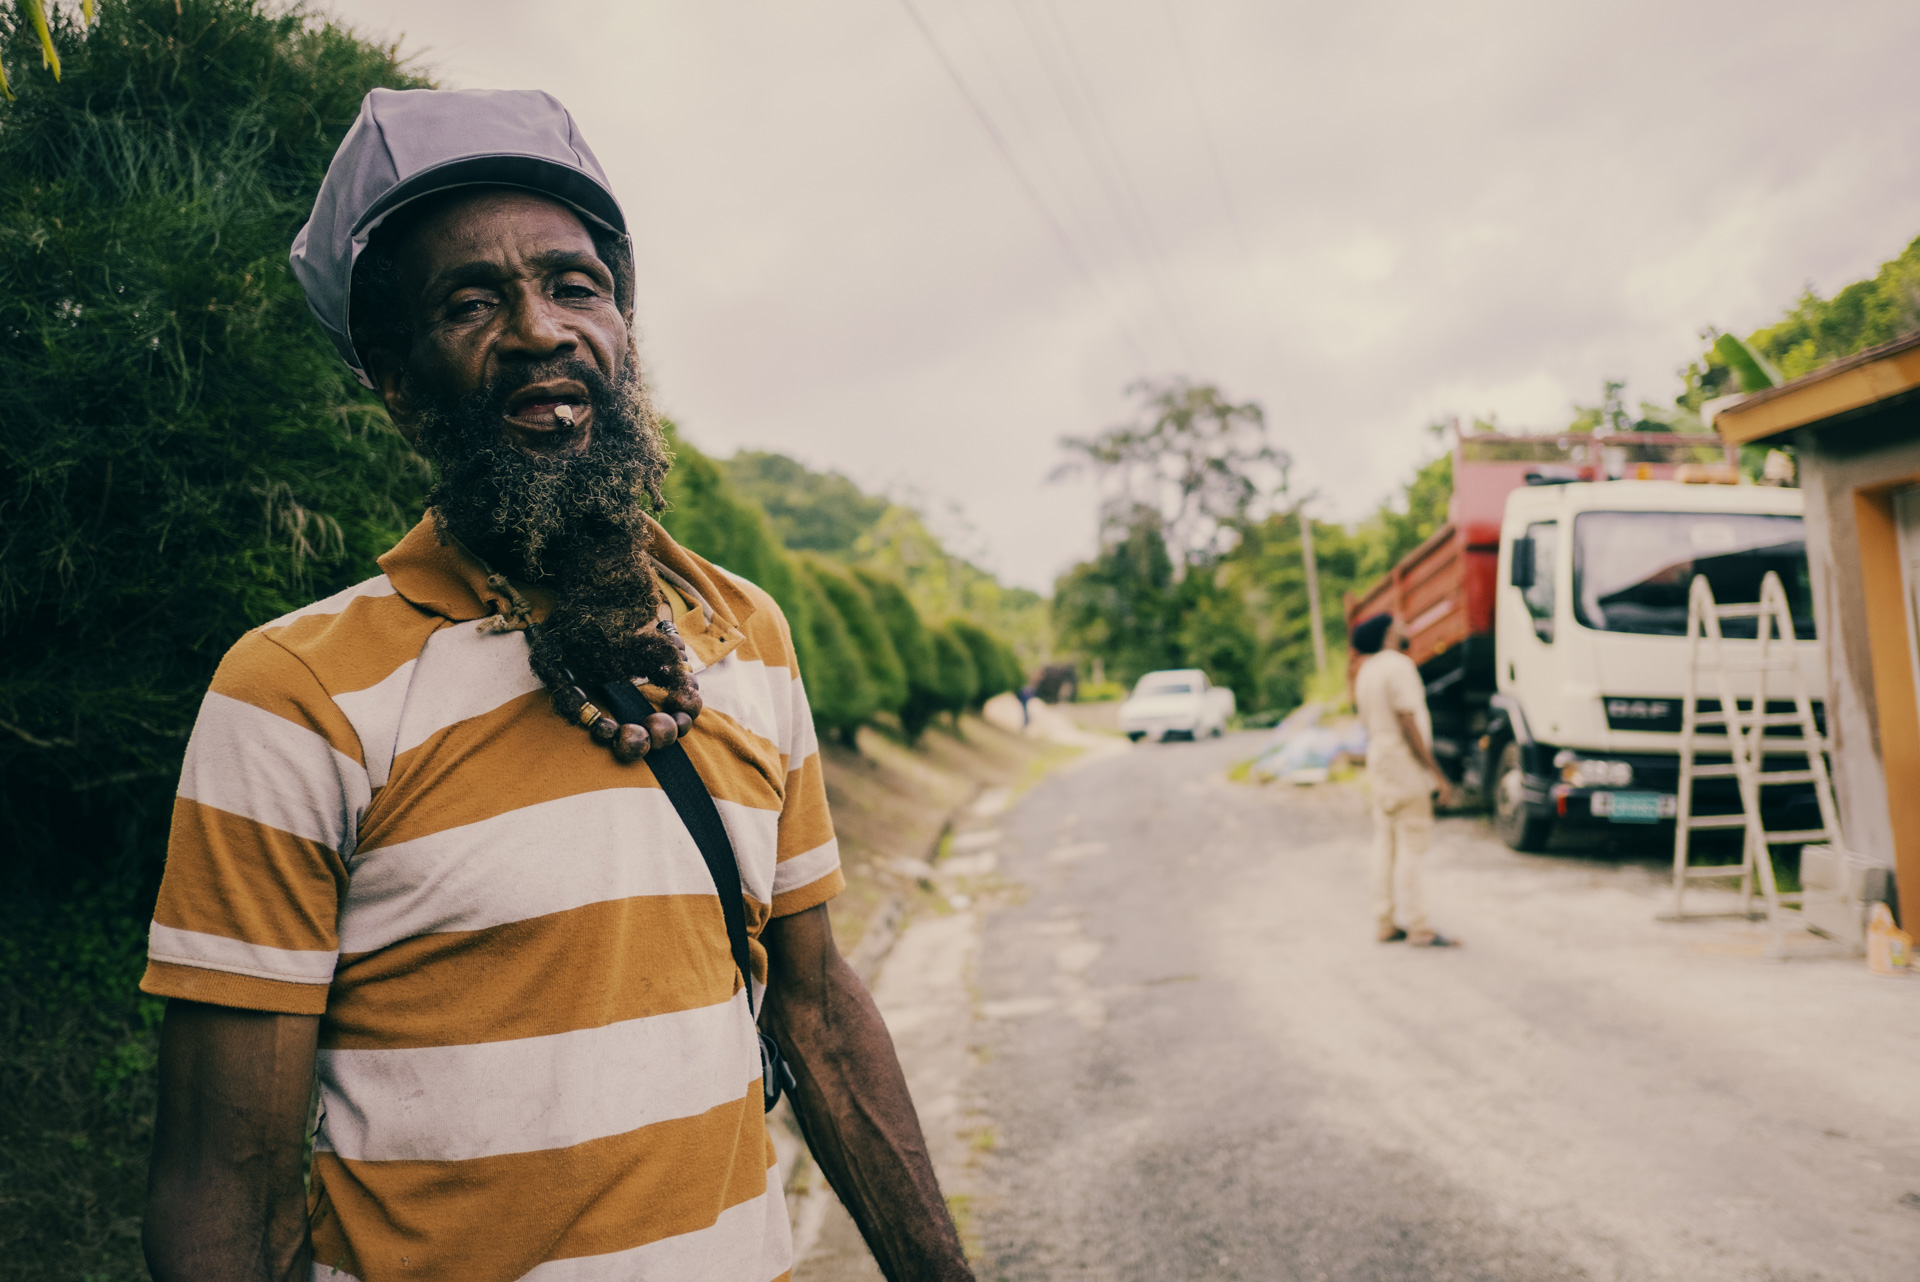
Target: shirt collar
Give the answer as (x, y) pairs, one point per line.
(447, 580)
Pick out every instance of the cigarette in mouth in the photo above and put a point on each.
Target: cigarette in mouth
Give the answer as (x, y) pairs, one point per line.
(564, 413)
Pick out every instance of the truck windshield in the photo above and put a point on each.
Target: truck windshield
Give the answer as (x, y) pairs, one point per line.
(1632, 570)
(1165, 687)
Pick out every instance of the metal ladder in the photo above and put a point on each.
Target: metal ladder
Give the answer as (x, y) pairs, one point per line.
(1772, 651)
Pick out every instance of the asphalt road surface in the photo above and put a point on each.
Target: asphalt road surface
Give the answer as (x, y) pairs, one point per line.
(1186, 1058)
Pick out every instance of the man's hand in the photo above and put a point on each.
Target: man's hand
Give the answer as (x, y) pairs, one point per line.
(225, 1196)
(852, 1102)
(1423, 753)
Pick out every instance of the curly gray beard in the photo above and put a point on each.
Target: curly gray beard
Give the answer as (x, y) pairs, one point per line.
(574, 524)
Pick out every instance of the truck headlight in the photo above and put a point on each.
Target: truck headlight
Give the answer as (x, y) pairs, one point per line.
(1593, 772)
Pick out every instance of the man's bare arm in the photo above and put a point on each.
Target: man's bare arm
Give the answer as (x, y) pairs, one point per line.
(852, 1102)
(1423, 753)
(225, 1197)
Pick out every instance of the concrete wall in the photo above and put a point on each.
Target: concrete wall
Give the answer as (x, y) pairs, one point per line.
(1837, 458)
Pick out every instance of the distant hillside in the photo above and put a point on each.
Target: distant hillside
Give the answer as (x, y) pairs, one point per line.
(828, 514)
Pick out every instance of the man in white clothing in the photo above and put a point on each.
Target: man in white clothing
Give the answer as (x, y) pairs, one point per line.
(1403, 777)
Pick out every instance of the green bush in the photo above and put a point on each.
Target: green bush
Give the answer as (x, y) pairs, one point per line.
(995, 670)
(1013, 672)
(911, 640)
(184, 457)
(1119, 605)
(956, 672)
(811, 511)
(914, 644)
(871, 641)
(1817, 331)
(842, 697)
(708, 516)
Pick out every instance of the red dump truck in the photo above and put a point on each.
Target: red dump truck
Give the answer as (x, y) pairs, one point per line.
(1548, 616)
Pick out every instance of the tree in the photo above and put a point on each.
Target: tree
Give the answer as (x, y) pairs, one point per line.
(1120, 606)
(1244, 618)
(824, 512)
(811, 511)
(1867, 313)
(1393, 531)
(958, 676)
(186, 455)
(1813, 333)
(842, 697)
(871, 641)
(913, 643)
(1198, 459)
(1252, 630)
(901, 547)
(707, 515)
(995, 672)
(1013, 673)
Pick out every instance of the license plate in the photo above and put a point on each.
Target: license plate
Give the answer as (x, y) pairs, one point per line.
(1634, 808)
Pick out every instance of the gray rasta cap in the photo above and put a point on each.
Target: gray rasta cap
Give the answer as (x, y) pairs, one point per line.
(409, 143)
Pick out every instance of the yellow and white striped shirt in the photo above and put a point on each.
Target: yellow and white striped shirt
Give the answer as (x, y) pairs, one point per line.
(536, 1060)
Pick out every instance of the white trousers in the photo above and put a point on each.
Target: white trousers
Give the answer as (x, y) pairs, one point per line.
(1401, 834)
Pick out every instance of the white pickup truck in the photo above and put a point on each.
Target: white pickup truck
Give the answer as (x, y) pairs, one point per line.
(1177, 703)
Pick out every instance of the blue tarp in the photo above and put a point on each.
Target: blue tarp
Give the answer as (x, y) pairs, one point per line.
(1302, 749)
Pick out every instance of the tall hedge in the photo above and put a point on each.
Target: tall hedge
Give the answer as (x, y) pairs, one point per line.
(996, 669)
(955, 670)
(182, 457)
(707, 515)
(879, 660)
(842, 697)
(913, 643)
(845, 661)
(185, 455)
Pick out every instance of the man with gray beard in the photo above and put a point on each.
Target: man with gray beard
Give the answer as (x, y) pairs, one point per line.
(417, 864)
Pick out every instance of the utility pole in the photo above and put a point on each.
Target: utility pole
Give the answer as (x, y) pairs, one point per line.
(1312, 568)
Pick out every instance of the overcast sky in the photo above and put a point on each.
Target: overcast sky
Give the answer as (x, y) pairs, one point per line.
(1363, 215)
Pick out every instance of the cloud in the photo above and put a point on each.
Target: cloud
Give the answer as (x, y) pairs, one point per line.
(1471, 208)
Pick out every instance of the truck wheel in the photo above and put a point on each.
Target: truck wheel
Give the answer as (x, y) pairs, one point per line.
(1519, 828)
(1136, 735)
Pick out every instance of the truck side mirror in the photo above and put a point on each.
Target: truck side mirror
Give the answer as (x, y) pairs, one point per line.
(1520, 574)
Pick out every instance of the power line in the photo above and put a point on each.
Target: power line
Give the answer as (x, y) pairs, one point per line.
(1072, 216)
(1119, 156)
(1072, 213)
(999, 141)
(1109, 170)
(1219, 172)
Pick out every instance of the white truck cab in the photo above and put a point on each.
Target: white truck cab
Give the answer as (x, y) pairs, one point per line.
(1590, 646)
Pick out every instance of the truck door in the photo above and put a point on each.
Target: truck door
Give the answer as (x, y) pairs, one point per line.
(1530, 665)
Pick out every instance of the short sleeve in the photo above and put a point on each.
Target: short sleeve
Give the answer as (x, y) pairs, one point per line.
(808, 871)
(271, 794)
(1404, 692)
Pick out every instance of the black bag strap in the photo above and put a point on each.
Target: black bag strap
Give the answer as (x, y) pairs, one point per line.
(694, 804)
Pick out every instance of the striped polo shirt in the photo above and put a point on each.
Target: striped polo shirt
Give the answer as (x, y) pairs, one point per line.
(536, 1059)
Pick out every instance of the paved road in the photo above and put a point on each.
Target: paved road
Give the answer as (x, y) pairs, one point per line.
(1190, 1061)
